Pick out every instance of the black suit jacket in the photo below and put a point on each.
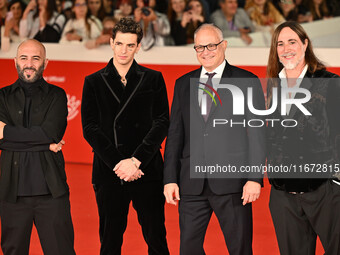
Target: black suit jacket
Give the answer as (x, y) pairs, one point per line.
(120, 123)
(315, 139)
(187, 146)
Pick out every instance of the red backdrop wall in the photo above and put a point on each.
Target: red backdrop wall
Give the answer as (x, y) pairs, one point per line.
(70, 76)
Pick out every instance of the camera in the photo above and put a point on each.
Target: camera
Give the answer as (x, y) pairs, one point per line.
(146, 11)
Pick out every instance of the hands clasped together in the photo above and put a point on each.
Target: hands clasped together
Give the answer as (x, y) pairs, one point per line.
(128, 169)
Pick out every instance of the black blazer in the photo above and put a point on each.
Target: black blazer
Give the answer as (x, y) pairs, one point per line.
(238, 146)
(120, 123)
(315, 139)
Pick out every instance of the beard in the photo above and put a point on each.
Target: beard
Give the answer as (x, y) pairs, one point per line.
(38, 74)
(290, 65)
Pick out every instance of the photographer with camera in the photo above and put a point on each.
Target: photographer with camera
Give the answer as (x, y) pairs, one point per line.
(187, 20)
(156, 26)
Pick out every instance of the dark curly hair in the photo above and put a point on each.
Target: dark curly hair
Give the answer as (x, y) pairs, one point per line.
(128, 25)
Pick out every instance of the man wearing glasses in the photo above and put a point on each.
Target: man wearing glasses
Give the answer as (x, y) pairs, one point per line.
(192, 137)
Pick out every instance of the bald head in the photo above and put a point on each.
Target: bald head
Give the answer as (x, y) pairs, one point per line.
(30, 60)
(210, 46)
(210, 27)
(32, 44)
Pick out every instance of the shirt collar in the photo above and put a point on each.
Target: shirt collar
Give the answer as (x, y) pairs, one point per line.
(284, 82)
(133, 69)
(219, 71)
(42, 85)
(282, 74)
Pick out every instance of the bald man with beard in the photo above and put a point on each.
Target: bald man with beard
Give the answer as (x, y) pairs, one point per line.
(33, 188)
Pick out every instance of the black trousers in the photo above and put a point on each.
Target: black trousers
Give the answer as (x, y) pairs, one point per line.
(235, 221)
(113, 202)
(52, 218)
(299, 219)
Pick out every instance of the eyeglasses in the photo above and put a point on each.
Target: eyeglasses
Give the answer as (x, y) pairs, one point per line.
(210, 47)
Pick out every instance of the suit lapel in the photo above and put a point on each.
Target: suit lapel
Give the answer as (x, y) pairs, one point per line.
(194, 87)
(306, 84)
(132, 86)
(226, 74)
(109, 78)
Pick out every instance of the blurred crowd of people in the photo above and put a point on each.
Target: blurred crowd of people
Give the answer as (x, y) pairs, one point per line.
(165, 22)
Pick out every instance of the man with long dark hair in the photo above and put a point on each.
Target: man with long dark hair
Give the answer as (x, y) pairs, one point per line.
(304, 202)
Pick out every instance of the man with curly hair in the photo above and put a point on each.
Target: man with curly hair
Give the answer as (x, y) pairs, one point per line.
(125, 118)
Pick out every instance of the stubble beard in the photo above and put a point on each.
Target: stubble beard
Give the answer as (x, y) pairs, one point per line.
(38, 73)
(290, 65)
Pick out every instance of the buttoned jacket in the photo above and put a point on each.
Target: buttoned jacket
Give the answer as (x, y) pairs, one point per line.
(48, 112)
(122, 123)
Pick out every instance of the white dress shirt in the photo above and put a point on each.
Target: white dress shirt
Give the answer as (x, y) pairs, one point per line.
(284, 84)
(215, 80)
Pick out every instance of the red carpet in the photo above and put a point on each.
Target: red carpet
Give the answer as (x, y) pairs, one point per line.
(85, 220)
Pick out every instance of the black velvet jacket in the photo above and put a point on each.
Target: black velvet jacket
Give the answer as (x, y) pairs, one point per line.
(315, 139)
(120, 122)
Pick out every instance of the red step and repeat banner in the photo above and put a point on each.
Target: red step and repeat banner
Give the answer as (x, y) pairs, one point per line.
(70, 76)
